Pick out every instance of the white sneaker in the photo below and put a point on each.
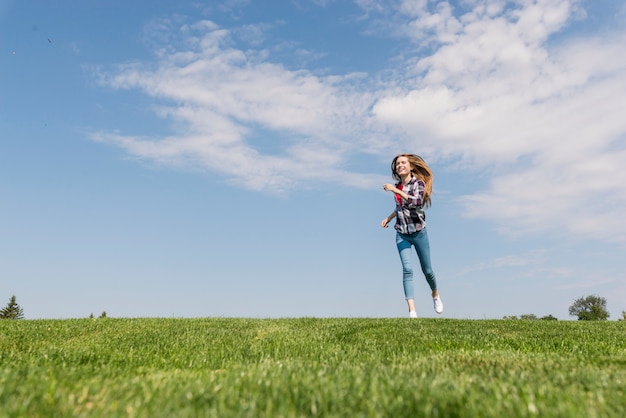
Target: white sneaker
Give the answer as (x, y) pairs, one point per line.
(412, 314)
(438, 304)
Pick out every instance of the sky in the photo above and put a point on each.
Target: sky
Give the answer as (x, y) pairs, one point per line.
(226, 159)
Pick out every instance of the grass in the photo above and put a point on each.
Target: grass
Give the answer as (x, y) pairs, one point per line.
(335, 367)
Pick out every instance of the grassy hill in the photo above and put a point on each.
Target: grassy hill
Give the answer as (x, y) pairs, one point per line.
(339, 367)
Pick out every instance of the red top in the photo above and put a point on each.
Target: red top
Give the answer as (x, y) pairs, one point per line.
(398, 197)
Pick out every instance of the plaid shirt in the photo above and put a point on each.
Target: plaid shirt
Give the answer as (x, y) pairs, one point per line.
(410, 216)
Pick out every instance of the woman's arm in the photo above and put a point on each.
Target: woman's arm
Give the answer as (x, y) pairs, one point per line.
(405, 196)
(415, 194)
(391, 188)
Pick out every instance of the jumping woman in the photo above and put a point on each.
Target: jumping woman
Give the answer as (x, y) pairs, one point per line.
(412, 195)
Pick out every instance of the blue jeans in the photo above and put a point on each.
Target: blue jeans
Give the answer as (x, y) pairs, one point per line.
(420, 241)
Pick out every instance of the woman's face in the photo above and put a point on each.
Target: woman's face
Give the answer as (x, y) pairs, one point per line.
(403, 167)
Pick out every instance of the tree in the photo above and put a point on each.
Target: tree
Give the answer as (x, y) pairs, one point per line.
(623, 318)
(591, 308)
(12, 310)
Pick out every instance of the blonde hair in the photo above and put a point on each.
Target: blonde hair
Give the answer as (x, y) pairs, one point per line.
(420, 170)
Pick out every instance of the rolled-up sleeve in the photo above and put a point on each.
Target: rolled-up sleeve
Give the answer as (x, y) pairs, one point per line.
(415, 192)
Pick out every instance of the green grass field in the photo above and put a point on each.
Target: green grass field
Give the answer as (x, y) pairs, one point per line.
(336, 367)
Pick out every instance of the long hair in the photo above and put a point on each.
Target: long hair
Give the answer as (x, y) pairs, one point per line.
(420, 170)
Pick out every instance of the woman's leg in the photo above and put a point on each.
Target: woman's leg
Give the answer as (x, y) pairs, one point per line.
(404, 250)
(422, 246)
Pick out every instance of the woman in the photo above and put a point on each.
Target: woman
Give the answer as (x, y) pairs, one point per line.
(412, 194)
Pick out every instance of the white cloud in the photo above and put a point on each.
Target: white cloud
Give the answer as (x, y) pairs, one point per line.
(548, 117)
(233, 104)
(485, 85)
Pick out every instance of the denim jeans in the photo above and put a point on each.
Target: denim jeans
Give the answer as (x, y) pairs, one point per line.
(419, 240)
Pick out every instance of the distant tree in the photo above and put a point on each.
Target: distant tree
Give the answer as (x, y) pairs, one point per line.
(529, 317)
(511, 317)
(103, 314)
(12, 310)
(623, 318)
(549, 318)
(591, 308)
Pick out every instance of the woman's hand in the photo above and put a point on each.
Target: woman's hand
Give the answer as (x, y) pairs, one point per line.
(385, 222)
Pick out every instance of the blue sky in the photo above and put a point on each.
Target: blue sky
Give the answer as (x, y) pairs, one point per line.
(195, 159)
